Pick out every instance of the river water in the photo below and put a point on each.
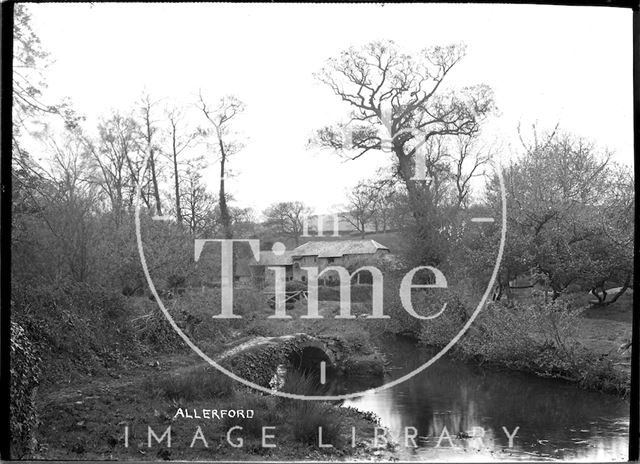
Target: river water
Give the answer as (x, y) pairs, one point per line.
(555, 419)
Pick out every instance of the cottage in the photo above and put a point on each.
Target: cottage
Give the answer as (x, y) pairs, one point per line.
(320, 254)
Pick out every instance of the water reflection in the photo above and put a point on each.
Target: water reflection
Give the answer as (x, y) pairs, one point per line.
(478, 407)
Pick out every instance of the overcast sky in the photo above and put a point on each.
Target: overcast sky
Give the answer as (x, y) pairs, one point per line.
(545, 64)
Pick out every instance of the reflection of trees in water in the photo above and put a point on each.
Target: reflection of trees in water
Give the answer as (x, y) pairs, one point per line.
(462, 396)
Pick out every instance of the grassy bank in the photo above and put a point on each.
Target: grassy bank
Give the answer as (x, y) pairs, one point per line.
(107, 362)
(553, 339)
(89, 422)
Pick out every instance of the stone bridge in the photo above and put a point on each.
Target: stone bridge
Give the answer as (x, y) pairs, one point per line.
(256, 359)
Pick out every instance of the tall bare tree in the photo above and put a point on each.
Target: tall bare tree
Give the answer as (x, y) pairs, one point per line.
(149, 131)
(180, 139)
(115, 157)
(221, 117)
(401, 98)
(468, 163)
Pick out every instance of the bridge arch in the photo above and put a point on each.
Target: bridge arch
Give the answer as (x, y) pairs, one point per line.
(308, 355)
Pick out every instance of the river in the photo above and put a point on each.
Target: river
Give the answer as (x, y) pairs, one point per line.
(555, 419)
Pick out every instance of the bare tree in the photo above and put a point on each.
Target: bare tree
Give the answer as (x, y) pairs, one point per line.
(199, 204)
(468, 162)
(400, 95)
(180, 141)
(115, 159)
(63, 202)
(221, 117)
(363, 200)
(287, 219)
(149, 130)
(29, 61)
(385, 203)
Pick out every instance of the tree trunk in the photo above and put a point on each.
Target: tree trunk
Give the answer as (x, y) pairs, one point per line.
(624, 288)
(224, 210)
(154, 181)
(152, 165)
(175, 176)
(422, 209)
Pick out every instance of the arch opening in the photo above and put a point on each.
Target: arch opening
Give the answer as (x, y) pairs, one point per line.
(308, 359)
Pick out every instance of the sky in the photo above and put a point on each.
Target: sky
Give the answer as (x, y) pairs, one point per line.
(546, 64)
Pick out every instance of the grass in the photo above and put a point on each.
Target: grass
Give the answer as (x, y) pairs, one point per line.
(305, 418)
(197, 384)
(267, 414)
(620, 311)
(86, 421)
(554, 341)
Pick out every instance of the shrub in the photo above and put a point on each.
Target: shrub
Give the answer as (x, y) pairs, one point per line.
(248, 301)
(197, 384)
(590, 370)
(359, 293)
(556, 322)
(193, 313)
(437, 331)
(175, 281)
(155, 331)
(600, 373)
(266, 415)
(25, 374)
(503, 334)
(356, 342)
(440, 330)
(326, 293)
(305, 419)
(76, 327)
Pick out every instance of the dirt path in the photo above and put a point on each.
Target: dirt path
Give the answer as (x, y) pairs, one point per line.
(93, 387)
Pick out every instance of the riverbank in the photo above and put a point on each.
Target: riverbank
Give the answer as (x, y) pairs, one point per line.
(555, 419)
(563, 340)
(122, 365)
(117, 418)
(119, 371)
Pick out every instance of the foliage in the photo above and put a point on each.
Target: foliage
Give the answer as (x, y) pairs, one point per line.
(502, 334)
(25, 378)
(77, 328)
(426, 302)
(538, 338)
(570, 215)
(155, 332)
(193, 311)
